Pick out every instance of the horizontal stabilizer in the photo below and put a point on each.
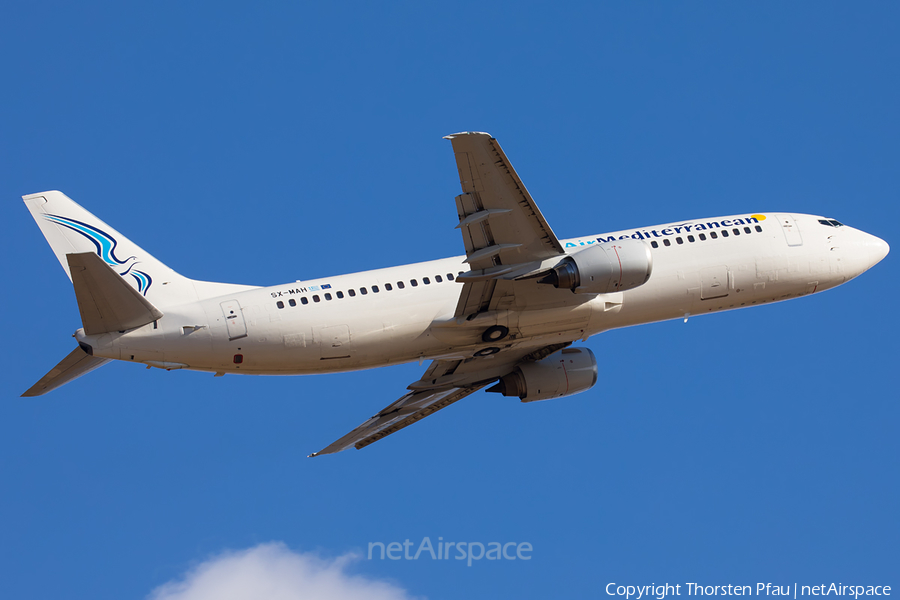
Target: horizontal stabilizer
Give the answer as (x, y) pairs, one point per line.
(76, 364)
(106, 301)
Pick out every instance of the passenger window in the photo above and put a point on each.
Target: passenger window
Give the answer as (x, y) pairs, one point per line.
(758, 229)
(746, 230)
(400, 285)
(713, 235)
(736, 231)
(328, 296)
(375, 288)
(426, 281)
(340, 294)
(679, 240)
(413, 282)
(449, 276)
(702, 237)
(279, 304)
(292, 302)
(316, 298)
(690, 238)
(654, 244)
(352, 292)
(724, 233)
(387, 286)
(666, 242)
(304, 300)
(363, 291)
(438, 278)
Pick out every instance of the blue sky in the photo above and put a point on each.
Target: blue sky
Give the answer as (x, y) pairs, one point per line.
(283, 141)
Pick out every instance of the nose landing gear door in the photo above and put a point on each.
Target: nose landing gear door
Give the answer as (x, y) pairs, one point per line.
(234, 319)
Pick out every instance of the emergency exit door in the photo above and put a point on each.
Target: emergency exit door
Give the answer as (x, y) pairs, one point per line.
(789, 227)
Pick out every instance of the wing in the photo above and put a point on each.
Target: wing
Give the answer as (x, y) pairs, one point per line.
(412, 407)
(506, 237)
(445, 382)
(503, 230)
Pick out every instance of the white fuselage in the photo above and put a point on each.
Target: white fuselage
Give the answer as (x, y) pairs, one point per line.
(368, 319)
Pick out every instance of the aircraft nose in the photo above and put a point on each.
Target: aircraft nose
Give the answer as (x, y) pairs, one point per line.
(875, 250)
(861, 251)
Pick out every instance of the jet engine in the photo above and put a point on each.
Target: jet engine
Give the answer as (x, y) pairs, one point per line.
(603, 268)
(563, 373)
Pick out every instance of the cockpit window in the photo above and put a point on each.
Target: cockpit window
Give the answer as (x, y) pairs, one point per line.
(835, 223)
(826, 222)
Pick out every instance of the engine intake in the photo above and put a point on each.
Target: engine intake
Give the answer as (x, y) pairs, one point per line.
(563, 373)
(604, 268)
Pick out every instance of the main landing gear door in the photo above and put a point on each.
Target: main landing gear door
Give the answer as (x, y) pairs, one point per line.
(234, 319)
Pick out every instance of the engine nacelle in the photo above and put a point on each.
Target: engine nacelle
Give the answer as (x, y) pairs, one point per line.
(563, 373)
(604, 268)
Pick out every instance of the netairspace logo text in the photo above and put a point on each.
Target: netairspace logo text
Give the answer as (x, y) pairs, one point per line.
(637, 592)
(467, 551)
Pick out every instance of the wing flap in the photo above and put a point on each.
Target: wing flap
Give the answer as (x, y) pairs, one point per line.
(105, 300)
(73, 366)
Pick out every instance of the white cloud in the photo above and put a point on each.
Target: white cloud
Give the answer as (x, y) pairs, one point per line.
(274, 572)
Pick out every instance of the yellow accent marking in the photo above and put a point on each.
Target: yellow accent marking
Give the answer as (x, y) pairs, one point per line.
(759, 217)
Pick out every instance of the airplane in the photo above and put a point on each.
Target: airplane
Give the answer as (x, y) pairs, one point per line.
(505, 315)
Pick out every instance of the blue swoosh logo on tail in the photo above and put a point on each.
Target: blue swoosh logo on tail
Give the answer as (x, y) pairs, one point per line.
(106, 249)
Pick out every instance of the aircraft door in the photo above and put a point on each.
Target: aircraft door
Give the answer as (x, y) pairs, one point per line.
(789, 227)
(234, 319)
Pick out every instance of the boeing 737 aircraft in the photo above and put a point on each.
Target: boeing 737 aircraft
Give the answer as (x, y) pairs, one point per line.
(505, 315)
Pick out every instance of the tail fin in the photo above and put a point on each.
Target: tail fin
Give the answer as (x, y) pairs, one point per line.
(70, 229)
